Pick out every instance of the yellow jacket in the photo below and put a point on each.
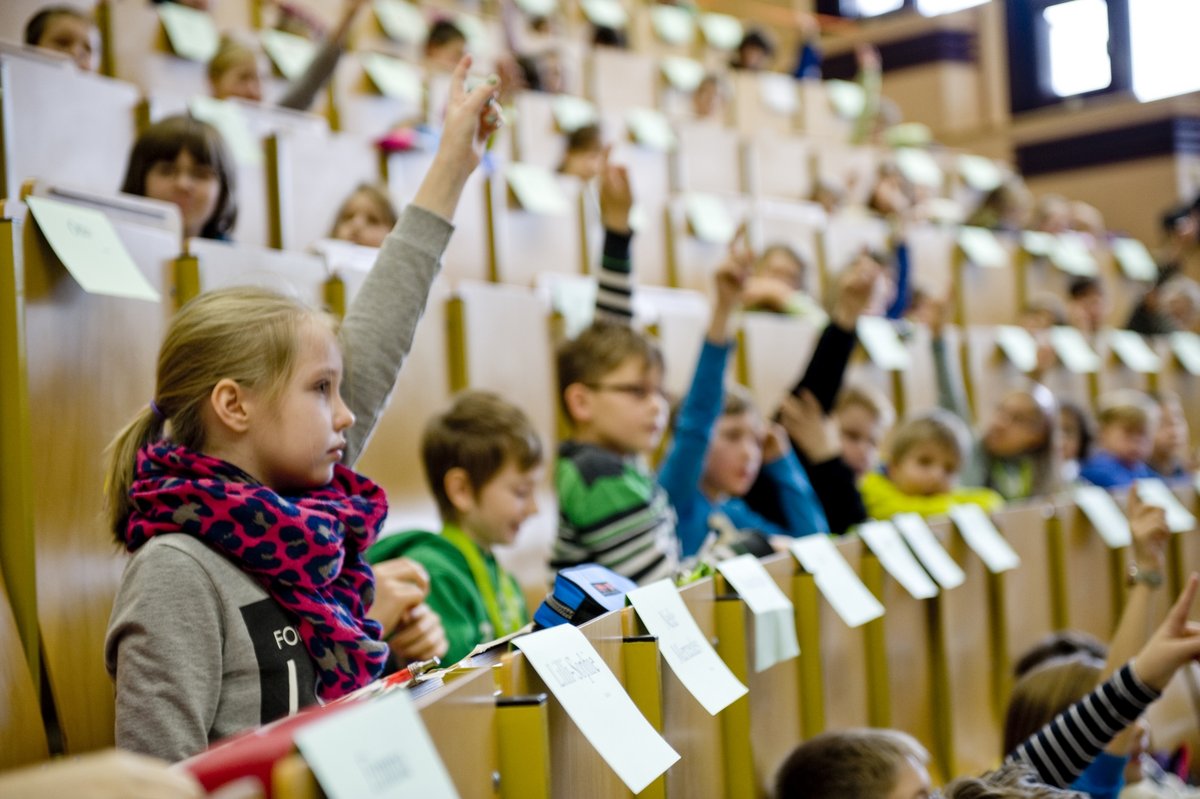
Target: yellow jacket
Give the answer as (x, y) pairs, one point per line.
(883, 499)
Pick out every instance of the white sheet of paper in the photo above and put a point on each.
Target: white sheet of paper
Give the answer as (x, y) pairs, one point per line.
(684, 74)
(1018, 346)
(846, 98)
(919, 167)
(1186, 347)
(778, 92)
(981, 535)
(980, 173)
(1133, 351)
(981, 247)
(914, 134)
(836, 581)
(380, 748)
(1073, 350)
(650, 129)
(401, 21)
(572, 113)
(538, 8)
(591, 695)
(721, 31)
(1135, 260)
(673, 25)
(88, 246)
(1104, 514)
(1072, 256)
(895, 556)
(392, 77)
(684, 647)
(575, 301)
(883, 345)
(536, 189)
(709, 219)
(774, 617)
(193, 34)
(1155, 492)
(929, 550)
(1037, 242)
(290, 53)
(231, 123)
(605, 13)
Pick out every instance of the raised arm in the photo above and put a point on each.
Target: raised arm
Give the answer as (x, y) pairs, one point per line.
(303, 90)
(614, 289)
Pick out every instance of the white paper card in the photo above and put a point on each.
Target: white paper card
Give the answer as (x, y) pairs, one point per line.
(650, 129)
(1133, 351)
(290, 53)
(536, 189)
(1186, 346)
(919, 167)
(929, 550)
(88, 246)
(590, 694)
(883, 346)
(836, 581)
(846, 98)
(1073, 350)
(981, 247)
(981, 535)
(684, 74)
(1155, 492)
(1037, 243)
(684, 647)
(774, 617)
(778, 92)
(1135, 260)
(538, 8)
(605, 13)
(1104, 514)
(980, 173)
(672, 24)
(572, 113)
(231, 123)
(193, 34)
(401, 21)
(379, 748)
(1072, 256)
(1018, 346)
(721, 31)
(709, 219)
(895, 556)
(392, 77)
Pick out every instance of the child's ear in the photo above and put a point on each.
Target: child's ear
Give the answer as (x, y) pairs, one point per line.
(460, 492)
(578, 400)
(229, 402)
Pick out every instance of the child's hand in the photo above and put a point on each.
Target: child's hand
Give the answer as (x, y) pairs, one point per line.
(775, 443)
(807, 425)
(471, 117)
(420, 636)
(110, 773)
(768, 293)
(401, 585)
(855, 288)
(731, 276)
(1148, 524)
(1173, 644)
(616, 196)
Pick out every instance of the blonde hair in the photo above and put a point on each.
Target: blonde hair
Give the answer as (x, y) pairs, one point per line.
(377, 196)
(938, 426)
(866, 396)
(230, 53)
(1045, 691)
(245, 334)
(1128, 408)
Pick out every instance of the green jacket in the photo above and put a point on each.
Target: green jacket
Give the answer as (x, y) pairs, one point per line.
(453, 594)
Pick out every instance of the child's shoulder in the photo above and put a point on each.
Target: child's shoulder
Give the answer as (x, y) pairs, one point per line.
(420, 545)
(591, 463)
(184, 563)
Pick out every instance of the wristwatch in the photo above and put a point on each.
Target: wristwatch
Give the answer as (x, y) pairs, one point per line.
(1151, 578)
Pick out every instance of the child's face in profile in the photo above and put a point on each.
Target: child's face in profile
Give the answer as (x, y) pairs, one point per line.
(242, 80)
(626, 410)
(361, 221)
(495, 515)
(72, 36)
(1128, 443)
(734, 455)
(860, 430)
(928, 468)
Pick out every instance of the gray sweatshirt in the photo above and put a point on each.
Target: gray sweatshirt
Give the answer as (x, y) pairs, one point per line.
(197, 648)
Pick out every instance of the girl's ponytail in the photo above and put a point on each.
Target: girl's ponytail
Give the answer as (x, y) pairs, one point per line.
(145, 428)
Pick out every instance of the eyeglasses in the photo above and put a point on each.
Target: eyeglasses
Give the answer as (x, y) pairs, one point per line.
(639, 391)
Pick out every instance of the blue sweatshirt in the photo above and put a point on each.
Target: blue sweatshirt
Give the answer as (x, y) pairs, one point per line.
(1105, 470)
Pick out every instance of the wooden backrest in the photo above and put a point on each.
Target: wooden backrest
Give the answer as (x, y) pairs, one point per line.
(709, 159)
(854, 170)
(536, 138)
(986, 295)
(527, 242)
(223, 264)
(1027, 590)
(846, 235)
(618, 80)
(693, 260)
(41, 131)
(137, 50)
(461, 720)
(779, 166)
(775, 349)
(753, 112)
(1092, 576)
(361, 109)
(22, 734)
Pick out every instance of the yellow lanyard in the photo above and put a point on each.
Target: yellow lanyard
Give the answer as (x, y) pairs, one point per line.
(505, 608)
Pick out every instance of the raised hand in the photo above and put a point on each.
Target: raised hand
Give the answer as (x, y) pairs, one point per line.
(1148, 523)
(814, 433)
(420, 636)
(471, 117)
(1174, 643)
(616, 195)
(855, 288)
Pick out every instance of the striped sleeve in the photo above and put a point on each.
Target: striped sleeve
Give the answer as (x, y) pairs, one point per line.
(1061, 750)
(614, 292)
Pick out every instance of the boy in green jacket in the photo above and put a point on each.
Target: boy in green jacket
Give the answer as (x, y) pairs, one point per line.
(483, 460)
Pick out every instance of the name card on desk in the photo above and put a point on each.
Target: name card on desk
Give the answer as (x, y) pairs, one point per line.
(1073, 350)
(192, 33)
(536, 189)
(1072, 256)
(895, 556)
(88, 246)
(650, 129)
(684, 74)
(919, 167)
(1037, 243)
(846, 98)
(1133, 351)
(1135, 260)
(684, 647)
(1018, 346)
(605, 13)
(673, 25)
(981, 247)
(721, 31)
(583, 684)
(709, 219)
(393, 78)
(774, 616)
(979, 172)
(1156, 492)
(1104, 514)
(538, 8)
(836, 581)
(883, 345)
(291, 54)
(1186, 346)
(778, 92)
(572, 113)
(379, 749)
(929, 550)
(231, 123)
(981, 535)
(401, 21)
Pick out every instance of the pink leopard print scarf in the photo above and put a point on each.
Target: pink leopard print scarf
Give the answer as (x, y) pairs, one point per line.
(306, 551)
